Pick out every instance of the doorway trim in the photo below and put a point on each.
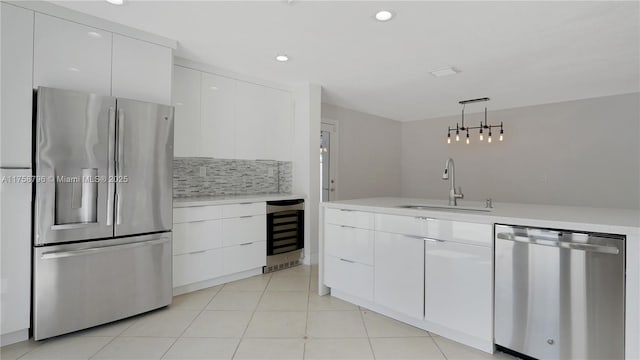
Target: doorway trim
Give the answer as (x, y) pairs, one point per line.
(332, 126)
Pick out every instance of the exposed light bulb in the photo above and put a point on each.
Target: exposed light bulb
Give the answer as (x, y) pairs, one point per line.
(448, 140)
(489, 139)
(467, 140)
(481, 137)
(501, 134)
(457, 137)
(501, 137)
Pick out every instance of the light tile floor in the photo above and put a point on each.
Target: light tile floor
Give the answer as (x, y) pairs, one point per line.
(272, 316)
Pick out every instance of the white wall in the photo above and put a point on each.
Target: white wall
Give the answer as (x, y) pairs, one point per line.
(369, 153)
(306, 161)
(583, 153)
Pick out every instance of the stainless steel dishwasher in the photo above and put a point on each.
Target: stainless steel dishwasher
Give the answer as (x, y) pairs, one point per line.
(559, 294)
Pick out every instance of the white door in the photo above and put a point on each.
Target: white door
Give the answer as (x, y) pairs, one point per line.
(141, 70)
(15, 241)
(218, 134)
(71, 56)
(458, 287)
(328, 161)
(399, 273)
(17, 68)
(187, 131)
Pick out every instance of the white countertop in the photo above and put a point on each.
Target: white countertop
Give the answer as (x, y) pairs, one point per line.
(232, 199)
(615, 221)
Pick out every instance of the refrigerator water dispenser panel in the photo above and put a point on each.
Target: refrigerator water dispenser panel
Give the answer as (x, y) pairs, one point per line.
(76, 197)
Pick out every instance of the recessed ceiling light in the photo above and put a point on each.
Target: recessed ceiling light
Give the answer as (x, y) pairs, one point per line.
(282, 58)
(115, 2)
(73, 69)
(384, 15)
(444, 72)
(94, 35)
(213, 87)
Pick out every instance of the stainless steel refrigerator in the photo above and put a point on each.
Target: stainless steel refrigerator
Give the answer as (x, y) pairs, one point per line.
(102, 209)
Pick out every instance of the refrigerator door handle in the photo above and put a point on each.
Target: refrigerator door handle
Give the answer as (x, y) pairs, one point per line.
(98, 249)
(120, 162)
(111, 185)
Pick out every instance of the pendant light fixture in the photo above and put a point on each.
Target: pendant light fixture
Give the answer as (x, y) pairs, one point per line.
(483, 126)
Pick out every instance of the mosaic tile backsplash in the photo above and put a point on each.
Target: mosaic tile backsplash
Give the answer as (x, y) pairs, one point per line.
(229, 177)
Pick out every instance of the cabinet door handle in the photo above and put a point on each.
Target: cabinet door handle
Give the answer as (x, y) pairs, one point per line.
(346, 210)
(433, 240)
(246, 216)
(197, 252)
(349, 261)
(347, 226)
(245, 244)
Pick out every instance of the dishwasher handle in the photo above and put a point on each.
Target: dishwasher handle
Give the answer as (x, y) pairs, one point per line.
(547, 241)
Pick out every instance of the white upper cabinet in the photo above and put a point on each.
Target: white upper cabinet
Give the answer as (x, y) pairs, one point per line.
(141, 70)
(186, 99)
(264, 119)
(225, 118)
(279, 115)
(252, 126)
(71, 56)
(17, 67)
(218, 134)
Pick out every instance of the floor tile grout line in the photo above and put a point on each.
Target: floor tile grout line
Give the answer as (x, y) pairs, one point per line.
(112, 339)
(189, 325)
(306, 325)
(438, 346)
(366, 331)
(252, 315)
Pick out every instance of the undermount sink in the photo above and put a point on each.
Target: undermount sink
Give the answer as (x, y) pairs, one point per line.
(442, 208)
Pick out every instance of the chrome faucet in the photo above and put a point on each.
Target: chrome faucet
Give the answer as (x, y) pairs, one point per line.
(450, 174)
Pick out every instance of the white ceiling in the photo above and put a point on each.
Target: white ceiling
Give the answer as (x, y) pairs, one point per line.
(517, 53)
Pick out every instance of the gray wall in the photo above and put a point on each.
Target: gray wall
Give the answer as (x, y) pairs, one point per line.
(583, 153)
(369, 153)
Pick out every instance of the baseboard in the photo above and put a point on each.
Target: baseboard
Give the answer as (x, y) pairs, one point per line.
(179, 290)
(14, 337)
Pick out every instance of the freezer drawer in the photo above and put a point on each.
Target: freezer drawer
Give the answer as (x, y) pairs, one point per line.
(86, 284)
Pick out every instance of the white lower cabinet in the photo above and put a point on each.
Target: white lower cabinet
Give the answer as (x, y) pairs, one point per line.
(458, 287)
(349, 243)
(244, 257)
(244, 229)
(432, 273)
(210, 242)
(15, 256)
(399, 273)
(196, 236)
(197, 266)
(349, 277)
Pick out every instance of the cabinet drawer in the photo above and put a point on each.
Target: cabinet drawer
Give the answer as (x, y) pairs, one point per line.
(463, 232)
(245, 257)
(349, 277)
(346, 217)
(407, 225)
(244, 229)
(349, 243)
(196, 236)
(194, 267)
(196, 213)
(244, 209)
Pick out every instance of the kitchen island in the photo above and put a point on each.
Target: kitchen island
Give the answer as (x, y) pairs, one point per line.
(379, 254)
